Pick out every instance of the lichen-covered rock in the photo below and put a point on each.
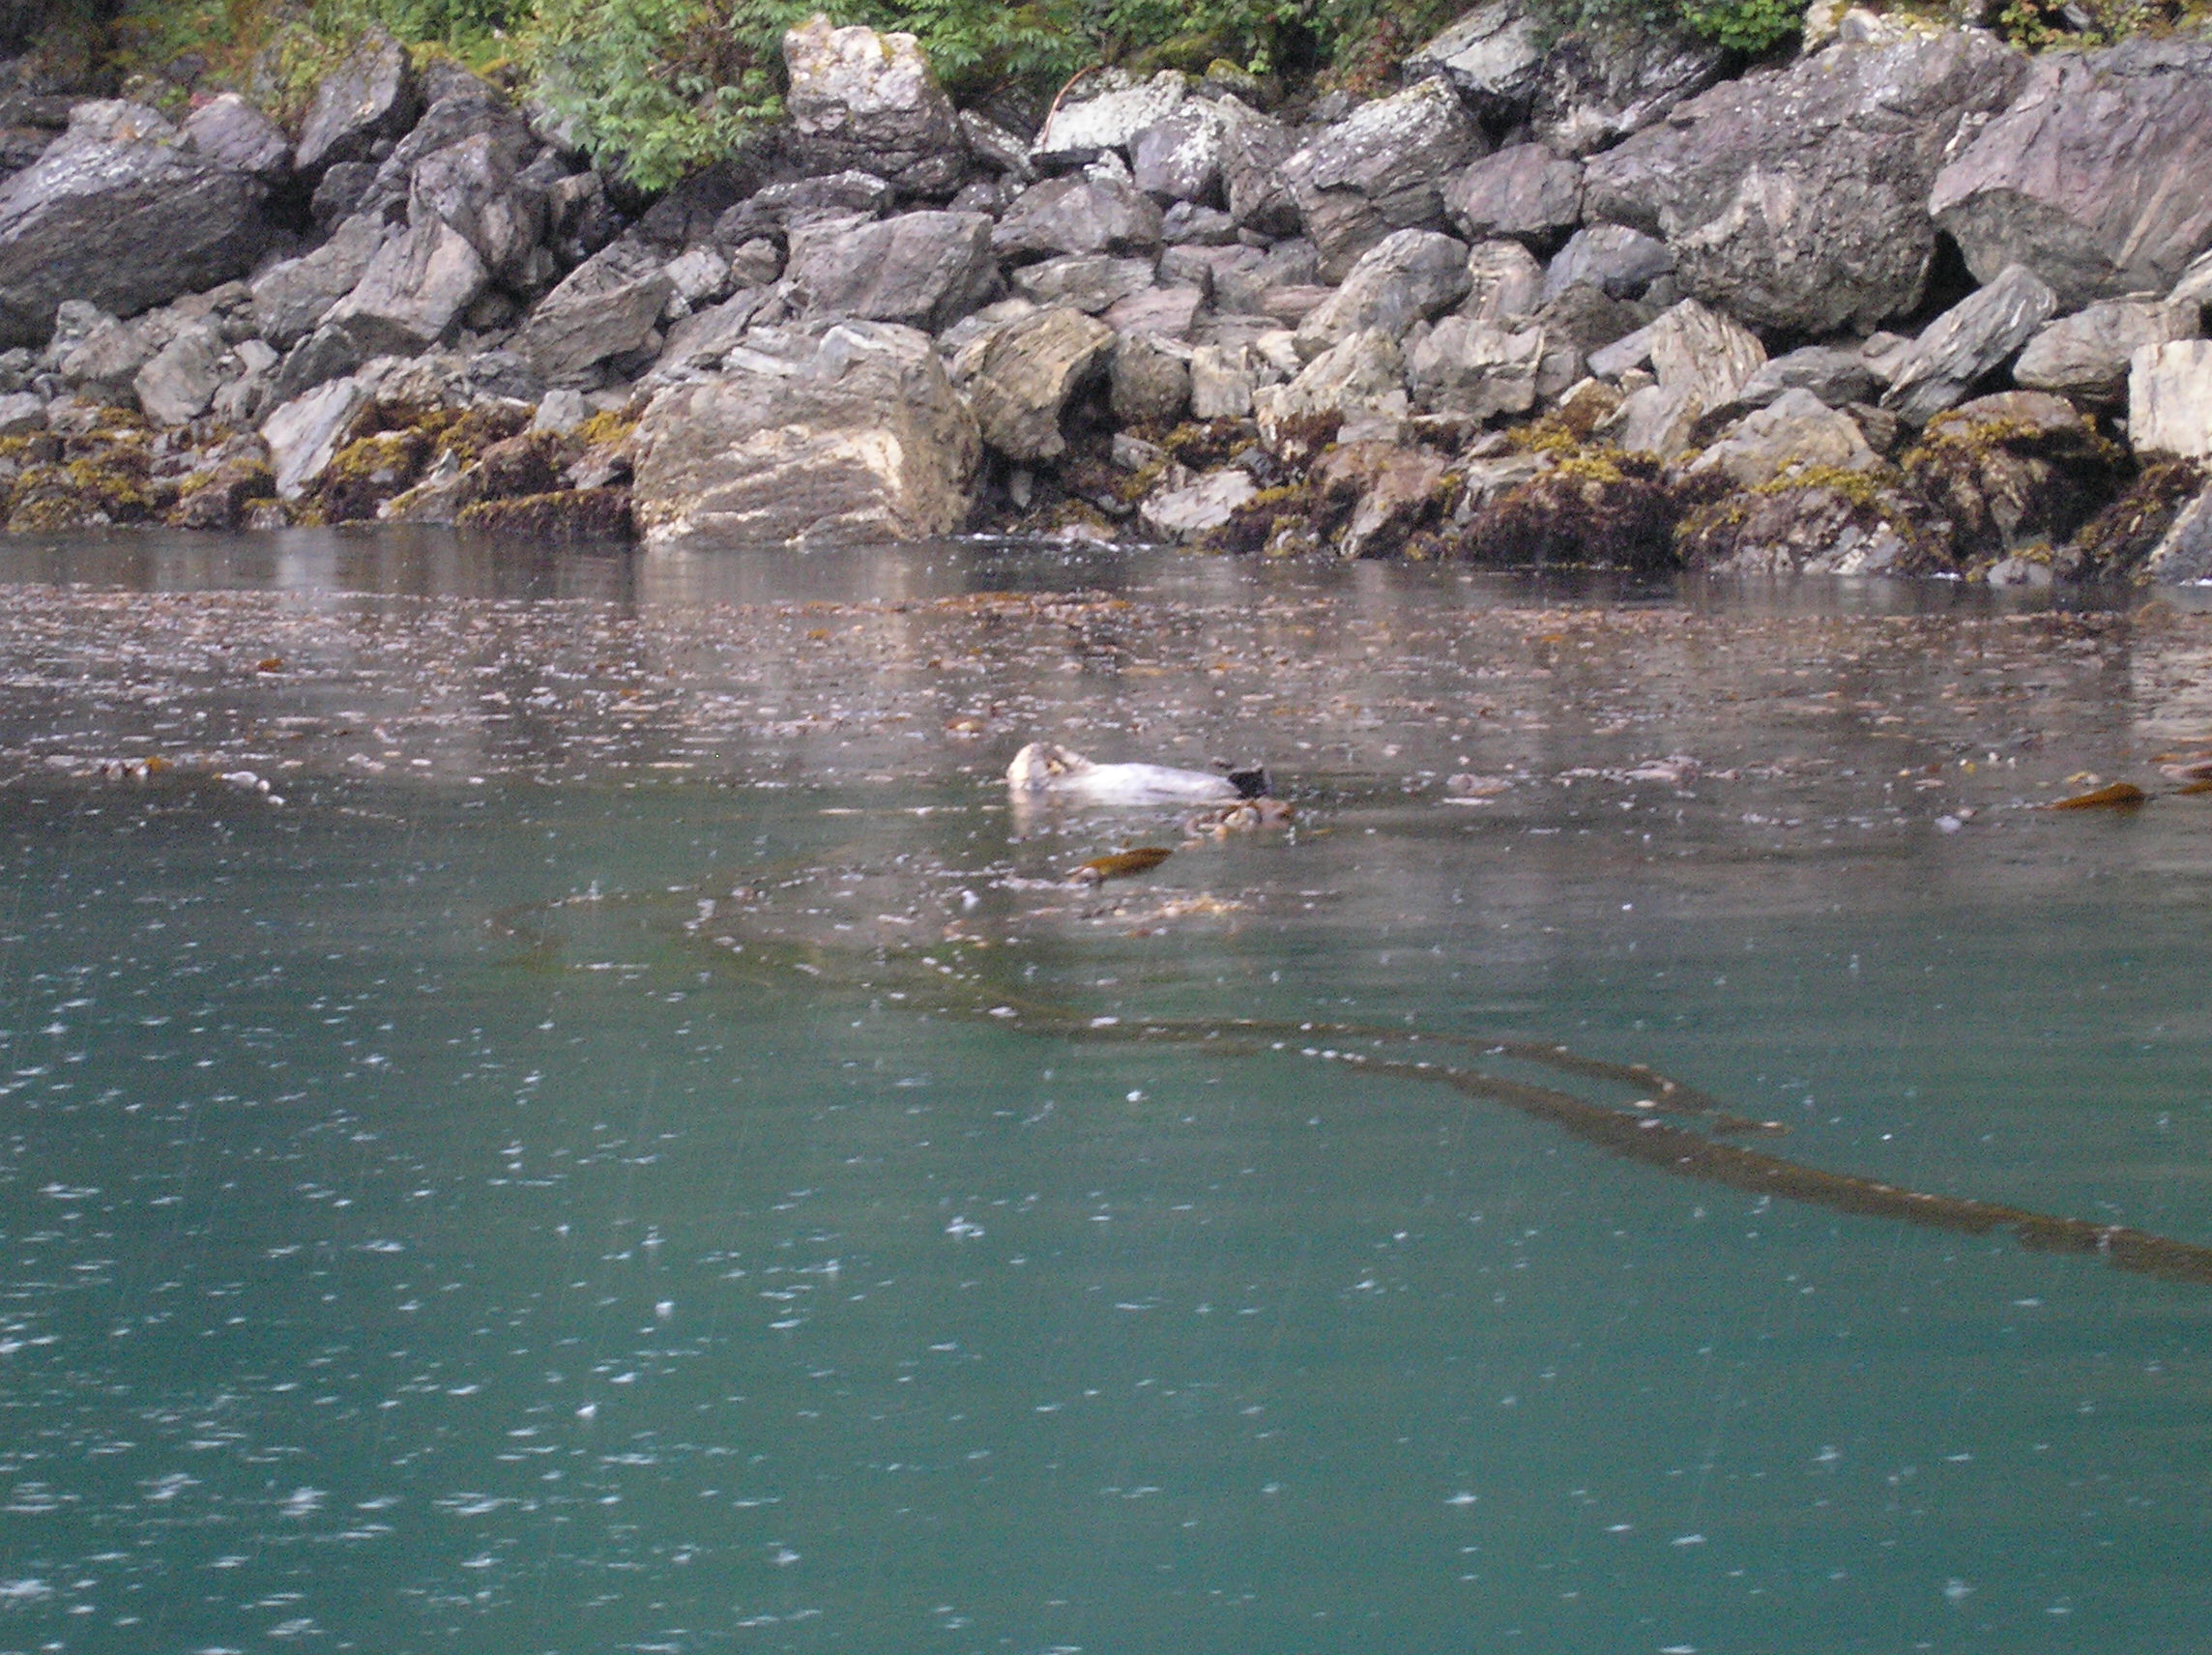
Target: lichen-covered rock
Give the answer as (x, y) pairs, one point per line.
(1596, 508)
(1969, 342)
(1493, 57)
(1111, 114)
(2085, 356)
(851, 433)
(1408, 276)
(868, 101)
(781, 208)
(122, 213)
(2093, 178)
(476, 187)
(926, 270)
(562, 516)
(1252, 154)
(1848, 525)
(1384, 168)
(1083, 213)
(1793, 435)
(2017, 468)
(1030, 371)
(1796, 198)
(370, 96)
(1179, 157)
(1523, 192)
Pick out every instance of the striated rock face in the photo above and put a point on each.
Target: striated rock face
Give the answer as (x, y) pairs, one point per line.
(1598, 85)
(927, 269)
(1968, 342)
(2094, 177)
(1796, 198)
(2085, 356)
(1406, 277)
(850, 434)
(1382, 169)
(1027, 373)
(868, 101)
(606, 307)
(122, 213)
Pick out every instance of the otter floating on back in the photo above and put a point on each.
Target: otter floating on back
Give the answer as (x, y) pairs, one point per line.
(1042, 771)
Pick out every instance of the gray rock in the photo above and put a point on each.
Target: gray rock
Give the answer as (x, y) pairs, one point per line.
(1796, 433)
(995, 147)
(1814, 531)
(1365, 375)
(1079, 213)
(1406, 277)
(21, 412)
(701, 341)
(2183, 555)
(1028, 371)
(783, 207)
(1656, 419)
(344, 190)
(1111, 119)
(124, 221)
(1178, 157)
(1504, 282)
(324, 355)
(1252, 156)
(812, 437)
(1156, 314)
(1612, 258)
(927, 269)
(472, 187)
(1796, 198)
(1834, 377)
(2093, 178)
(181, 381)
(232, 132)
(369, 97)
(1088, 283)
(109, 353)
(1525, 192)
(2170, 399)
(1702, 353)
(1383, 169)
(413, 293)
(1188, 223)
(1598, 85)
(1494, 57)
(306, 434)
(1222, 380)
(1147, 384)
(290, 299)
(606, 307)
(868, 101)
(2085, 356)
(1969, 342)
(1184, 508)
(1476, 368)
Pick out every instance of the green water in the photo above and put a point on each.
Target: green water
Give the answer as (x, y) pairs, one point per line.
(425, 1224)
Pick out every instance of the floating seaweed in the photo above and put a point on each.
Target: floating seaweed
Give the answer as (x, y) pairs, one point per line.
(2113, 796)
(1122, 864)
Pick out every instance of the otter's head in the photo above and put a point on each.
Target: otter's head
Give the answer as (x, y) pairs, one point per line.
(1040, 767)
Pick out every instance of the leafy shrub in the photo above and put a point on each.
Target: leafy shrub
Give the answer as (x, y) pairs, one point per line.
(1748, 26)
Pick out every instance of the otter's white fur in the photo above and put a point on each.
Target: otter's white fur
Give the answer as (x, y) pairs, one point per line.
(1042, 771)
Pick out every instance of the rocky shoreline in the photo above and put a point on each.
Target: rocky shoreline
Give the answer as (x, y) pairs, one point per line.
(1911, 303)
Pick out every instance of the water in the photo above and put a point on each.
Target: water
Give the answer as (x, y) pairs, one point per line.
(554, 1182)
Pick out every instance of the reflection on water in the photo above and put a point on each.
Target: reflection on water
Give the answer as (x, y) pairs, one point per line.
(530, 1189)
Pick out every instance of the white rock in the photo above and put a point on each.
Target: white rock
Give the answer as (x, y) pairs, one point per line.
(1185, 513)
(306, 434)
(2170, 399)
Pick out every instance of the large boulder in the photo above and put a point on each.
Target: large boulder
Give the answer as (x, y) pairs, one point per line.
(1384, 168)
(1252, 156)
(1476, 368)
(1082, 213)
(606, 307)
(868, 101)
(1702, 354)
(2013, 470)
(2094, 177)
(1117, 108)
(413, 292)
(851, 433)
(2085, 356)
(1796, 433)
(781, 208)
(1028, 371)
(1181, 157)
(1969, 342)
(1598, 85)
(1612, 258)
(291, 298)
(121, 213)
(1088, 283)
(927, 269)
(1493, 57)
(475, 187)
(2170, 399)
(232, 132)
(1796, 199)
(1523, 192)
(1403, 278)
(369, 98)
